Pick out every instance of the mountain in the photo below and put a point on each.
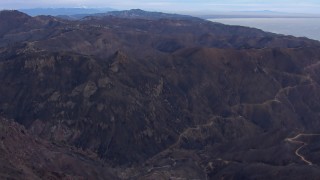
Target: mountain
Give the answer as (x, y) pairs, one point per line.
(129, 14)
(155, 97)
(141, 14)
(10, 20)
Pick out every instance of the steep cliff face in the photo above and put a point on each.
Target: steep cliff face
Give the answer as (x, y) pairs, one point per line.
(183, 98)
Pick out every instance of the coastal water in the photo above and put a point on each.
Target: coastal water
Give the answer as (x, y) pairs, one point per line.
(300, 27)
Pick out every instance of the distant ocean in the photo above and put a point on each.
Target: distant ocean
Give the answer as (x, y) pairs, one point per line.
(300, 27)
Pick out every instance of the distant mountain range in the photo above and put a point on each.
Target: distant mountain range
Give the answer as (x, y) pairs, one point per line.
(79, 13)
(130, 14)
(141, 14)
(64, 11)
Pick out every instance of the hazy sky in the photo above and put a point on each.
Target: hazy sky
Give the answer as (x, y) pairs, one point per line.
(299, 6)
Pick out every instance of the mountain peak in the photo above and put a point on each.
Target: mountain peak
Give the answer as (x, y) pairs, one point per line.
(137, 10)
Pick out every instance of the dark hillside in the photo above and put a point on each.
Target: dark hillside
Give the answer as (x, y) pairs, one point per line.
(158, 98)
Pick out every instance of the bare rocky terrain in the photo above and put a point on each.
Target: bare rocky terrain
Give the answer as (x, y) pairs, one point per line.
(132, 96)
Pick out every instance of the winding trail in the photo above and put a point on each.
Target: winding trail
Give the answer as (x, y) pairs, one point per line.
(294, 140)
